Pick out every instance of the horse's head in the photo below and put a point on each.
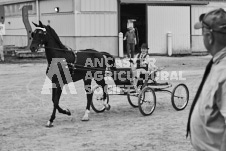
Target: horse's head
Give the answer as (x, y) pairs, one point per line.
(39, 37)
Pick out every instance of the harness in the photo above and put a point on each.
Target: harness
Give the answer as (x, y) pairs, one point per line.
(139, 66)
(75, 66)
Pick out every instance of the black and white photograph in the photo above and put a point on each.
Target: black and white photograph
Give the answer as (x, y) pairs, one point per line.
(112, 75)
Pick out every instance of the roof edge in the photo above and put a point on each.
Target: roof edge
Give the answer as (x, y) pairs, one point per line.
(15, 1)
(164, 2)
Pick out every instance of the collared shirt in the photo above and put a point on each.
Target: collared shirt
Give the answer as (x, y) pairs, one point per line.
(145, 59)
(208, 120)
(142, 60)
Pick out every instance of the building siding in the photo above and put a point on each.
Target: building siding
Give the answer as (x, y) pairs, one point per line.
(164, 19)
(83, 24)
(14, 25)
(48, 6)
(96, 24)
(96, 18)
(99, 5)
(63, 24)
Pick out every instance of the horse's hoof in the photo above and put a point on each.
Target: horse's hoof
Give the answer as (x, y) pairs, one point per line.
(68, 112)
(84, 119)
(108, 107)
(49, 124)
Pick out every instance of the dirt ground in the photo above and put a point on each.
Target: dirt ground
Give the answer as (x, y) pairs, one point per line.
(24, 111)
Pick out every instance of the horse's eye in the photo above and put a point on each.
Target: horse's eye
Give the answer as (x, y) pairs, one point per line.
(40, 32)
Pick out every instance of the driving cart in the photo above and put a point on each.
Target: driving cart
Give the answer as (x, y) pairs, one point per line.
(144, 95)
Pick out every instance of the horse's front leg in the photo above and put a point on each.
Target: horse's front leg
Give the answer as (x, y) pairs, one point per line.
(56, 93)
(87, 84)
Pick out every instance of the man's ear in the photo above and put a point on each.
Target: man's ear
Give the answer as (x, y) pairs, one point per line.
(35, 24)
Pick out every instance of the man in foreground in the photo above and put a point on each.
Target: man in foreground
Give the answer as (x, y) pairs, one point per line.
(207, 117)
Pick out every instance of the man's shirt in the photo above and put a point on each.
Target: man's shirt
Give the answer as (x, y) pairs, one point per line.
(208, 119)
(130, 36)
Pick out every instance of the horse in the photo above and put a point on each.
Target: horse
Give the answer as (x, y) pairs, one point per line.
(72, 63)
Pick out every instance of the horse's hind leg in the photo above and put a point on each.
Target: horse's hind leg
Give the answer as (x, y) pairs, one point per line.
(105, 88)
(60, 110)
(87, 84)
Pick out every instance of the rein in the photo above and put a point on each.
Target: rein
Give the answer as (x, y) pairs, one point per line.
(66, 50)
(80, 67)
(71, 50)
(75, 66)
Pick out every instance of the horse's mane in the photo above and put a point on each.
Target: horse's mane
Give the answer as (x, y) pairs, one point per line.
(62, 46)
(55, 36)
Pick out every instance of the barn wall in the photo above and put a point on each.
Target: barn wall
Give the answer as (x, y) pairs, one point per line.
(17, 40)
(171, 21)
(80, 24)
(96, 18)
(13, 18)
(63, 22)
(84, 24)
(47, 6)
(108, 44)
(96, 25)
(16, 33)
(99, 5)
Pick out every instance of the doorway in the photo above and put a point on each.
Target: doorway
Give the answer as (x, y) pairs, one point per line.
(136, 12)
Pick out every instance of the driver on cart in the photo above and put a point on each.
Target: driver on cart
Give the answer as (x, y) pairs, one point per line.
(142, 65)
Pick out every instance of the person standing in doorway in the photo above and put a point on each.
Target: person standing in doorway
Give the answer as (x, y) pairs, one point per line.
(1, 48)
(131, 41)
(207, 118)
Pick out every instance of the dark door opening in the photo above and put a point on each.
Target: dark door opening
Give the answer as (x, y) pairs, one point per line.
(138, 13)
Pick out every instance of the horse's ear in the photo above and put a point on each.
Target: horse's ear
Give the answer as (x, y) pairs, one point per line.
(40, 24)
(35, 24)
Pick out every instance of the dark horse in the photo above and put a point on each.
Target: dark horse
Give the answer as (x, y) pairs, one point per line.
(76, 64)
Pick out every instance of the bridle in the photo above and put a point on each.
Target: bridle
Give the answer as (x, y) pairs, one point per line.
(45, 32)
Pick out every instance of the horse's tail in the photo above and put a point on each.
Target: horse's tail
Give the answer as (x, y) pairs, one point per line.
(111, 60)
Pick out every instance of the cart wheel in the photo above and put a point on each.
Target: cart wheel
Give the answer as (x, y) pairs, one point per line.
(97, 103)
(180, 97)
(147, 101)
(132, 97)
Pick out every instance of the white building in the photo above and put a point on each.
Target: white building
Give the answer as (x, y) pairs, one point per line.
(83, 24)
